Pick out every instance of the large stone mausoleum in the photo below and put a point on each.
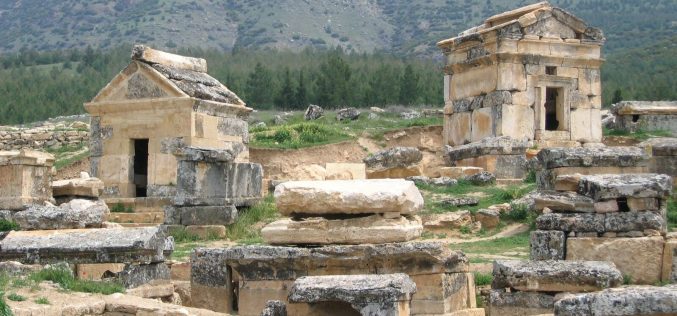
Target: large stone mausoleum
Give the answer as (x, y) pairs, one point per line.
(532, 73)
(158, 104)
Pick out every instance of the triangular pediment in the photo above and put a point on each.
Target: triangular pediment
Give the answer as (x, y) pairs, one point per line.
(549, 26)
(138, 81)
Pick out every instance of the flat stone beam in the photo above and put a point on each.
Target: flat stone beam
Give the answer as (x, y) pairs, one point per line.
(660, 146)
(613, 186)
(617, 222)
(645, 108)
(290, 263)
(563, 202)
(504, 145)
(555, 276)
(348, 197)
(152, 56)
(374, 229)
(368, 294)
(634, 300)
(520, 303)
(550, 158)
(75, 246)
(89, 188)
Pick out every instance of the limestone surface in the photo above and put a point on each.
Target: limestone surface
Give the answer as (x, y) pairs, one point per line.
(348, 197)
(358, 290)
(82, 187)
(548, 245)
(520, 303)
(74, 214)
(104, 245)
(627, 301)
(482, 178)
(313, 112)
(613, 186)
(550, 158)
(396, 157)
(373, 229)
(563, 201)
(503, 145)
(555, 276)
(350, 114)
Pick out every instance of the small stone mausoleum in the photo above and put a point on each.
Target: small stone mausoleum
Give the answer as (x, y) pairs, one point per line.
(532, 73)
(158, 105)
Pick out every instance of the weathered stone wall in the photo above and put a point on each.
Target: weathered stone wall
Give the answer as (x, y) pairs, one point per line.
(44, 137)
(646, 115)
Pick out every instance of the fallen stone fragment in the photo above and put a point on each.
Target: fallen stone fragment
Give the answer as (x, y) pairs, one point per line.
(448, 220)
(483, 178)
(347, 114)
(104, 245)
(520, 303)
(548, 245)
(368, 294)
(503, 145)
(627, 301)
(87, 188)
(555, 276)
(348, 197)
(274, 308)
(313, 112)
(460, 201)
(374, 229)
(74, 214)
(488, 218)
(135, 275)
(613, 186)
(394, 157)
(443, 181)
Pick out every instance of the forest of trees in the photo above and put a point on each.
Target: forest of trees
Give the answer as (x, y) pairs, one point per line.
(35, 86)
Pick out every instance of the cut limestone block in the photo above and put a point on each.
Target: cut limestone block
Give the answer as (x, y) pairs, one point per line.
(567, 182)
(385, 294)
(669, 273)
(97, 271)
(205, 215)
(520, 303)
(548, 245)
(555, 276)
(74, 214)
(87, 188)
(503, 145)
(634, 300)
(152, 56)
(374, 229)
(207, 231)
(102, 245)
(459, 172)
(600, 223)
(395, 173)
(134, 275)
(603, 187)
(550, 158)
(348, 197)
(396, 157)
(563, 202)
(24, 179)
(643, 266)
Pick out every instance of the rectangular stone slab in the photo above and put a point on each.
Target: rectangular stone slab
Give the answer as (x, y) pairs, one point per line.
(289, 263)
(355, 289)
(348, 197)
(520, 303)
(101, 245)
(613, 186)
(555, 275)
(550, 158)
(374, 229)
(634, 300)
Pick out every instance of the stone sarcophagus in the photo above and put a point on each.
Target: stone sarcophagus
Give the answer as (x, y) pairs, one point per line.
(532, 73)
(25, 179)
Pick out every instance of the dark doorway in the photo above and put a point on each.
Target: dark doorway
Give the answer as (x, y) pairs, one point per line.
(141, 166)
(552, 109)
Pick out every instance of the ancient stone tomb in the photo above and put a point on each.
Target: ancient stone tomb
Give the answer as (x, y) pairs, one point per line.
(632, 116)
(531, 73)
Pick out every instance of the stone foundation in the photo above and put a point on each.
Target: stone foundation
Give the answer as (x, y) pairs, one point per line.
(261, 273)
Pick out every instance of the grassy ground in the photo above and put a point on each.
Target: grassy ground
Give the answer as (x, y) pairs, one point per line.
(672, 212)
(487, 195)
(640, 135)
(66, 155)
(298, 133)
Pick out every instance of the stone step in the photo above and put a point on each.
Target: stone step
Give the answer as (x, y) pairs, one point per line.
(150, 217)
(139, 205)
(134, 225)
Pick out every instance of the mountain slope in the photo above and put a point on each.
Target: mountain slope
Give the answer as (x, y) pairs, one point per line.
(400, 26)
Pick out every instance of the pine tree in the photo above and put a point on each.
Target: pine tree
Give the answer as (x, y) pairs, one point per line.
(301, 95)
(409, 86)
(258, 90)
(618, 96)
(285, 97)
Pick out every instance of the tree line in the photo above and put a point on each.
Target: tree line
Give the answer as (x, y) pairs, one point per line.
(39, 85)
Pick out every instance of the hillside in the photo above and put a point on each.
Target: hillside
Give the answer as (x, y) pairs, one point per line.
(399, 26)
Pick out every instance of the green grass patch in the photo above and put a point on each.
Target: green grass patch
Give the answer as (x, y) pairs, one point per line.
(640, 134)
(67, 281)
(492, 195)
(672, 211)
(482, 279)
(120, 208)
(4, 308)
(16, 297)
(298, 133)
(6, 225)
(517, 243)
(42, 301)
(245, 230)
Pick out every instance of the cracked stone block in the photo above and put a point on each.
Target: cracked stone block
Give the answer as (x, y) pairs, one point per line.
(548, 245)
(613, 186)
(555, 276)
(633, 300)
